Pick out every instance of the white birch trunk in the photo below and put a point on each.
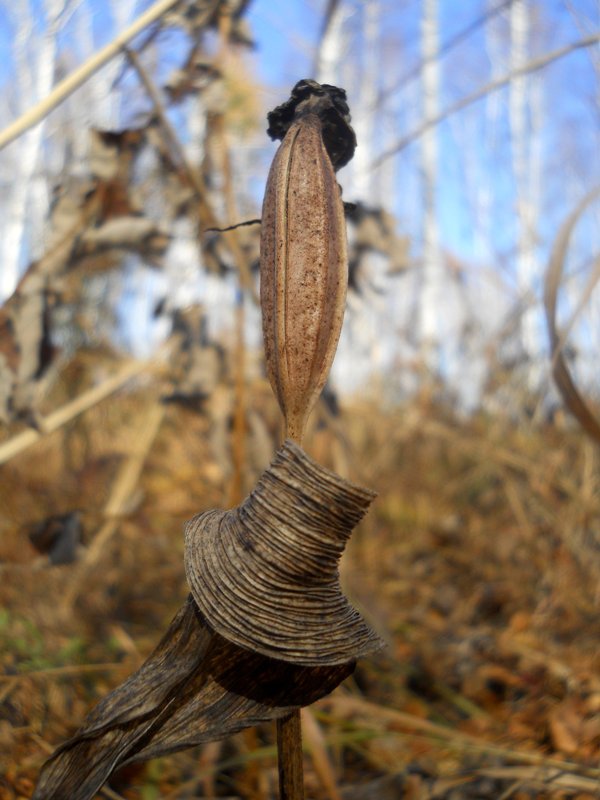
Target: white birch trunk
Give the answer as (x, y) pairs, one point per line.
(524, 169)
(430, 305)
(364, 113)
(27, 203)
(332, 46)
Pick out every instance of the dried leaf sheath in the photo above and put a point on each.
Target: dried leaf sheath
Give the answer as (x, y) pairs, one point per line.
(198, 685)
(303, 270)
(194, 688)
(264, 574)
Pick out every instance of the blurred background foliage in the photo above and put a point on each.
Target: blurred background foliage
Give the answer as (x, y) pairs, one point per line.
(132, 389)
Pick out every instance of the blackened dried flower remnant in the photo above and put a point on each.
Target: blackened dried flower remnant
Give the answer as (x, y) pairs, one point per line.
(329, 104)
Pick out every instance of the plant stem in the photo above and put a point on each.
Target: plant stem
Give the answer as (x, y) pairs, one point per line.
(289, 731)
(289, 749)
(60, 417)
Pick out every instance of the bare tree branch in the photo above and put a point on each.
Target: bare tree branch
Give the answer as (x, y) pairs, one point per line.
(492, 86)
(72, 82)
(193, 175)
(58, 418)
(463, 34)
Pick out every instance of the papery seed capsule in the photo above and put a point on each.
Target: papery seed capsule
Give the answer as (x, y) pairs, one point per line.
(303, 270)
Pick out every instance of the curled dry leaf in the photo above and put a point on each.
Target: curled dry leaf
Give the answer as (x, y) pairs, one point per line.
(264, 575)
(199, 685)
(194, 688)
(562, 376)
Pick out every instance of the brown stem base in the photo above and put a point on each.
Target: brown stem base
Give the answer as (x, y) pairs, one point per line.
(289, 749)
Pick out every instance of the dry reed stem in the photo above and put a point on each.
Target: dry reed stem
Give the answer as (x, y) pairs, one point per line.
(560, 370)
(543, 778)
(73, 81)
(122, 490)
(238, 444)
(194, 176)
(303, 282)
(289, 749)
(69, 411)
(317, 747)
(344, 706)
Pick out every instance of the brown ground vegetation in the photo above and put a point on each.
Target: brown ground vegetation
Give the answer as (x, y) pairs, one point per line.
(478, 564)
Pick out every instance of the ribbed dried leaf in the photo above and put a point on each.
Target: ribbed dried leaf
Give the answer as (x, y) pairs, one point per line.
(264, 574)
(194, 688)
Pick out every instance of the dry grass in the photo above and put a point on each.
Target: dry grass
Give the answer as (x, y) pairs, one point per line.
(479, 564)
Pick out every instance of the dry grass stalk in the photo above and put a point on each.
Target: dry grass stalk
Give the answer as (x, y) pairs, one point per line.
(125, 483)
(371, 714)
(69, 411)
(73, 81)
(317, 747)
(562, 376)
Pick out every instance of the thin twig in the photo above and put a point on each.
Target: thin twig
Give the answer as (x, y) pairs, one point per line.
(194, 176)
(229, 196)
(239, 432)
(492, 86)
(70, 410)
(73, 81)
(168, 129)
(122, 490)
(233, 227)
(452, 42)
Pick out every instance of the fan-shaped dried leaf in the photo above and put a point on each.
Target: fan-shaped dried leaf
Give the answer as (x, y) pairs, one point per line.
(264, 574)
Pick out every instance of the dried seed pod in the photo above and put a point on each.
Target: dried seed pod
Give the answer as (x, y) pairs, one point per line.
(264, 575)
(303, 269)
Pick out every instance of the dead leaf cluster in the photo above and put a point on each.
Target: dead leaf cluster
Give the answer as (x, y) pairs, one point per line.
(478, 566)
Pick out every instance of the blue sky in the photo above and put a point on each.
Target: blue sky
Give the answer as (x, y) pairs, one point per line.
(285, 45)
(286, 36)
